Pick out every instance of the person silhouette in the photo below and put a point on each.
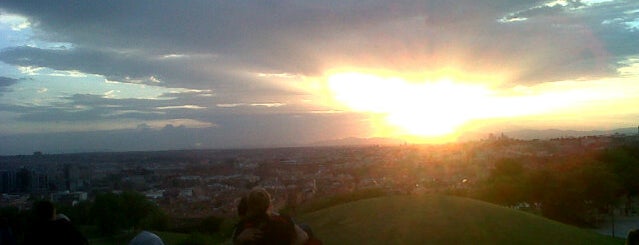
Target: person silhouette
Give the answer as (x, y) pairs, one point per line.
(259, 225)
(633, 237)
(49, 228)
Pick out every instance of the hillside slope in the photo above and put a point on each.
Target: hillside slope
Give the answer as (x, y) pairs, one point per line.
(434, 219)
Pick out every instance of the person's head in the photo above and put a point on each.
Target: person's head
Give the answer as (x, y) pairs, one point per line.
(44, 210)
(146, 238)
(258, 202)
(633, 237)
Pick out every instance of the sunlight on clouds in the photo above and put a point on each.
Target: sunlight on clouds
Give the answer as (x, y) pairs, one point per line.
(174, 56)
(269, 105)
(276, 75)
(228, 105)
(116, 113)
(110, 94)
(562, 3)
(233, 105)
(29, 70)
(68, 74)
(427, 108)
(442, 107)
(592, 2)
(15, 22)
(632, 25)
(631, 67)
(288, 81)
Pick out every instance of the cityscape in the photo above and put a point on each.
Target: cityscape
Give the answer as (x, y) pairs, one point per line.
(197, 183)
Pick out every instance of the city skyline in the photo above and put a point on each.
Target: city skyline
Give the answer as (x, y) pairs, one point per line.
(99, 76)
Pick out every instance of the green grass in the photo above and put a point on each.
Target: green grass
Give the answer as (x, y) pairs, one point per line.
(417, 219)
(434, 219)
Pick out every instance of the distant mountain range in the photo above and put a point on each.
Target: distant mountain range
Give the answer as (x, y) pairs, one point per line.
(526, 134)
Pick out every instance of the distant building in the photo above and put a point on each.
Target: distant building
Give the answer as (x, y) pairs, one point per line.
(69, 198)
(7, 181)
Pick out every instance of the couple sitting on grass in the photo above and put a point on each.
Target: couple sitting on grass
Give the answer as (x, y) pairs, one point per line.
(259, 225)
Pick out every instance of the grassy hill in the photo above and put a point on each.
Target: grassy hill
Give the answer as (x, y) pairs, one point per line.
(434, 219)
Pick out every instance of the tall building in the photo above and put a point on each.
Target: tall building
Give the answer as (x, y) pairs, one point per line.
(7, 181)
(24, 180)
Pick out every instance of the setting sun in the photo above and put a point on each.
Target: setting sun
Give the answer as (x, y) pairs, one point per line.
(434, 108)
(438, 109)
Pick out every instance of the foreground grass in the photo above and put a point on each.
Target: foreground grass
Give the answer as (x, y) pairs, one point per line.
(434, 219)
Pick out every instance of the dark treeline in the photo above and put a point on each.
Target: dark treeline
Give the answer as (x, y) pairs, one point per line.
(580, 189)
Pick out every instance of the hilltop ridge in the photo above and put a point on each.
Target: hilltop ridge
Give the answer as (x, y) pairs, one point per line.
(436, 219)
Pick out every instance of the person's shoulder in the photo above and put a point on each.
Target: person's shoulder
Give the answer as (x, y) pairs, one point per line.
(281, 222)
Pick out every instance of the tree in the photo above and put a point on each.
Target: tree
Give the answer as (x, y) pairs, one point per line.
(129, 210)
(107, 213)
(506, 183)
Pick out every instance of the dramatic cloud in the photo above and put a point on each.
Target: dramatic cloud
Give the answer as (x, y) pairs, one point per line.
(202, 62)
(204, 43)
(5, 82)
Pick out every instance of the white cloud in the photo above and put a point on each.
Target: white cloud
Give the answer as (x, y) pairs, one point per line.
(68, 74)
(192, 107)
(276, 75)
(512, 19)
(229, 105)
(562, 3)
(15, 22)
(173, 56)
(154, 79)
(123, 112)
(110, 94)
(632, 25)
(630, 68)
(268, 104)
(593, 2)
(29, 70)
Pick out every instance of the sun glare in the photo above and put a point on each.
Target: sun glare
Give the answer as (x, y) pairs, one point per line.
(434, 108)
(439, 108)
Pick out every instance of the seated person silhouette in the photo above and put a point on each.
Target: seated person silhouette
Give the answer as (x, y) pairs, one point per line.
(259, 225)
(49, 228)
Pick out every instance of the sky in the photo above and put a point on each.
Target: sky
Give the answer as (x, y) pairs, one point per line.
(156, 75)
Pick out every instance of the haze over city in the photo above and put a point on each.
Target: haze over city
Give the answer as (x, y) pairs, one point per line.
(157, 75)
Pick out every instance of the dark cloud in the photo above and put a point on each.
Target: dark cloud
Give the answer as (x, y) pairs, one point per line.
(91, 108)
(233, 131)
(122, 39)
(5, 82)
